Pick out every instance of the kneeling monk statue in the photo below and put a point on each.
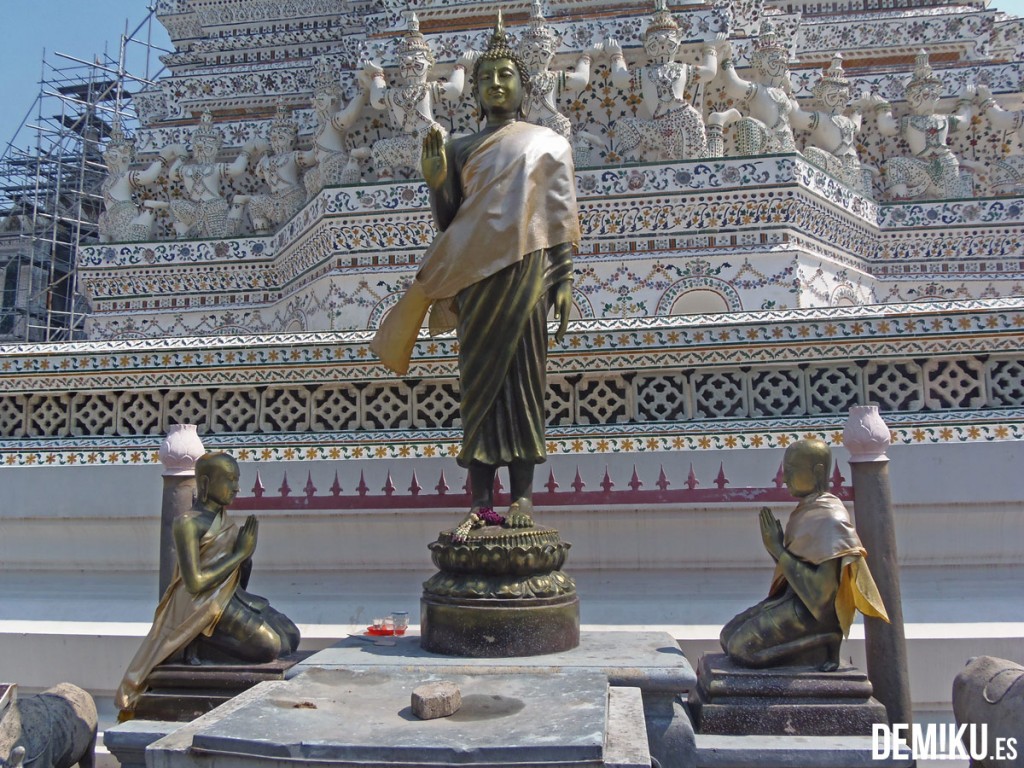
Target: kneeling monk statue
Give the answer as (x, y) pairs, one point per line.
(821, 575)
(505, 201)
(206, 607)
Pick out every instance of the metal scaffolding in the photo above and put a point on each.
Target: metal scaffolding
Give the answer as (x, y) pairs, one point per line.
(50, 194)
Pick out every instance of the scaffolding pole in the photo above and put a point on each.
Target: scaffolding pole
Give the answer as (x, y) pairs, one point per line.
(51, 194)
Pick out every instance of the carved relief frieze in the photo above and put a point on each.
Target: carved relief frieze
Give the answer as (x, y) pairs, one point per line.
(655, 212)
(213, 13)
(866, 35)
(761, 231)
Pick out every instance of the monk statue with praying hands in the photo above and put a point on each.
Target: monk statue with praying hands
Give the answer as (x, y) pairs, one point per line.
(206, 613)
(821, 575)
(504, 201)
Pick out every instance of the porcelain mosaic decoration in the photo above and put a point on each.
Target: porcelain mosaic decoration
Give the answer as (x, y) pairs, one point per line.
(834, 217)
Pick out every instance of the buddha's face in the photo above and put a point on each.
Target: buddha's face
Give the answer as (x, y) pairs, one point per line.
(536, 53)
(222, 483)
(661, 44)
(500, 88)
(414, 66)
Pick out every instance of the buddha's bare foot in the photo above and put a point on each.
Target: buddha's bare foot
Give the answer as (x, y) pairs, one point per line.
(520, 514)
(469, 522)
(478, 517)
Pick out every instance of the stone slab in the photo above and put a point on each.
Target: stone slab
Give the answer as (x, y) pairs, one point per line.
(128, 741)
(363, 717)
(782, 701)
(183, 692)
(724, 680)
(790, 752)
(625, 744)
(651, 661)
(233, 676)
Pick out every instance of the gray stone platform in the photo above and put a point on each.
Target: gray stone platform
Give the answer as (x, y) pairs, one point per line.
(363, 718)
(650, 661)
(347, 703)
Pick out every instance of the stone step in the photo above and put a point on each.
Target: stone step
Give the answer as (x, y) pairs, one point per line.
(791, 752)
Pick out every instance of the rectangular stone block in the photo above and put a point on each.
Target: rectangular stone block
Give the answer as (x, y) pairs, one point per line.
(183, 692)
(790, 752)
(364, 718)
(651, 661)
(626, 738)
(440, 699)
(782, 701)
(128, 741)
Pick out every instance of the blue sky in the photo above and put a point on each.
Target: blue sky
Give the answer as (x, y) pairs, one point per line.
(80, 28)
(83, 28)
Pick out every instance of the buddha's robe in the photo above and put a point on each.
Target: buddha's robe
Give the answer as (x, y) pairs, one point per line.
(508, 218)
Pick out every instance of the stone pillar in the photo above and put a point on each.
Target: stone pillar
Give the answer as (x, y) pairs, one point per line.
(866, 436)
(178, 453)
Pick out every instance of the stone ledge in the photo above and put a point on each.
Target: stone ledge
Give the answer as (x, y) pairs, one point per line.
(790, 752)
(626, 737)
(128, 741)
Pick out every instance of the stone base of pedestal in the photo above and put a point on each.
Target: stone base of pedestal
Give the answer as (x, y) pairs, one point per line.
(480, 628)
(182, 692)
(783, 701)
(499, 593)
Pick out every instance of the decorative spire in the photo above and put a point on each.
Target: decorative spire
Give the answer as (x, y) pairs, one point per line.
(119, 145)
(768, 38)
(538, 30)
(925, 83)
(282, 124)
(206, 129)
(499, 42)
(117, 135)
(414, 41)
(834, 81)
(661, 20)
(835, 74)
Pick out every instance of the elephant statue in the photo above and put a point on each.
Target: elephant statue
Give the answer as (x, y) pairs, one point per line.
(52, 729)
(990, 691)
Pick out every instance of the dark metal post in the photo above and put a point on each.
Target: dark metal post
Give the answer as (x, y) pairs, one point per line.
(866, 436)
